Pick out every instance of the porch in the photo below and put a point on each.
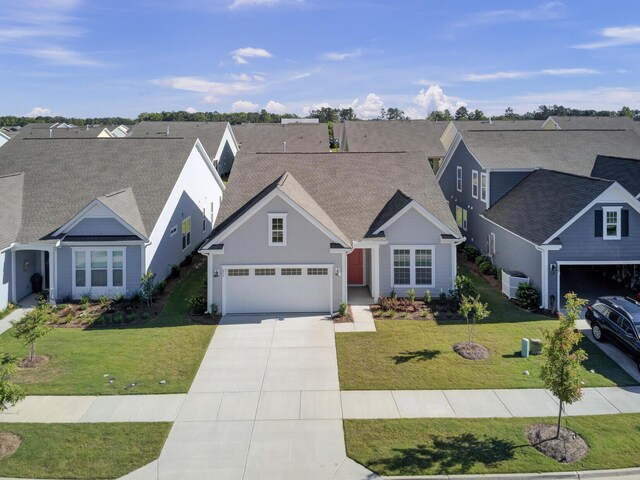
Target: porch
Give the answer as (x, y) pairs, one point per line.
(32, 272)
(363, 274)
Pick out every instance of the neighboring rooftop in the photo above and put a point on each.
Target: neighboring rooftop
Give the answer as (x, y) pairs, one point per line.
(395, 136)
(352, 189)
(63, 176)
(625, 171)
(590, 123)
(565, 150)
(466, 125)
(271, 137)
(65, 132)
(11, 188)
(543, 202)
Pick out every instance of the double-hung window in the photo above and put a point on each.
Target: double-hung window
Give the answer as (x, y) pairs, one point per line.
(277, 229)
(412, 266)
(186, 233)
(611, 228)
(459, 179)
(474, 183)
(464, 219)
(459, 215)
(483, 187)
(98, 270)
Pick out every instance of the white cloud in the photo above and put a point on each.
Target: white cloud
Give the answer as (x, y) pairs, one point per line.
(62, 56)
(275, 107)
(39, 112)
(242, 77)
(341, 56)
(316, 106)
(369, 108)
(190, 110)
(253, 3)
(434, 98)
(200, 85)
(240, 55)
(244, 106)
(615, 37)
(546, 11)
(259, 77)
(510, 75)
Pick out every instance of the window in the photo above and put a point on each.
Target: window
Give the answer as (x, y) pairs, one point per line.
(204, 220)
(483, 187)
(412, 266)
(459, 215)
(290, 271)
(611, 225)
(277, 229)
(173, 230)
(265, 272)
(464, 219)
(238, 272)
(459, 179)
(80, 267)
(186, 233)
(492, 244)
(117, 268)
(99, 269)
(317, 271)
(474, 183)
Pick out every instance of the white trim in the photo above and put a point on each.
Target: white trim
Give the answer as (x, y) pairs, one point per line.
(421, 210)
(465, 219)
(618, 211)
(210, 283)
(182, 234)
(275, 216)
(475, 182)
(364, 268)
(451, 152)
(412, 267)
(484, 198)
(507, 230)
(454, 264)
(198, 145)
(614, 194)
(344, 276)
(96, 291)
(459, 178)
(87, 243)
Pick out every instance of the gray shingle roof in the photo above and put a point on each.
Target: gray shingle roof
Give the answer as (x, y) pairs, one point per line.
(123, 203)
(269, 137)
(62, 176)
(594, 123)
(564, 150)
(82, 132)
(466, 125)
(625, 171)
(543, 202)
(209, 133)
(11, 187)
(396, 136)
(351, 188)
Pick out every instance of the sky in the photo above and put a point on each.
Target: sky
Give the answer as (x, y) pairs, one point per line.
(86, 58)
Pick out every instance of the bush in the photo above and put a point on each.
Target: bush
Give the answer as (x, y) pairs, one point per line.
(135, 297)
(527, 296)
(427, 296)
(342, 309)
(145, 315)
(394, 295)
(174, 270)
(103, 300)
(160, 287)
(118, 298)
(442, 297)
(213, 309)
(197, 304)
(85, 299)
(470, 251)
(465, 287)
(486, 268)
(480, 259)
(130, 318)
(411, 294)
(118, 318)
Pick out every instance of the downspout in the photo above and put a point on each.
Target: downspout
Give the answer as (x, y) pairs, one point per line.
(454, 259)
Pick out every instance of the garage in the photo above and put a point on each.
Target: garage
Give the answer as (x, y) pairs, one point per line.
(599, 279)
(277, 288)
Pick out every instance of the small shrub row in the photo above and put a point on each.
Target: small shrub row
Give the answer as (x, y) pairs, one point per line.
(527, 296)
(469, 251)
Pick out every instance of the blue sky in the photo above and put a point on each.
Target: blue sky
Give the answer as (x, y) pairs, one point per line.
(90, 58)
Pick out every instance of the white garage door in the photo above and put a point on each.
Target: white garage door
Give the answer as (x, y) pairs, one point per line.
(277, 288)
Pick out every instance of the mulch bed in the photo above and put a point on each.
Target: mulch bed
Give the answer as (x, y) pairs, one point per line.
(38, 361)
(471, 351)
(346, 318)
(206, 319)
(9, 443)
(569, 447)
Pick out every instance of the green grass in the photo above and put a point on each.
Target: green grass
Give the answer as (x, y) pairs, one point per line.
(408, 355)
(169, 348)
(83, 450)
(479, 446)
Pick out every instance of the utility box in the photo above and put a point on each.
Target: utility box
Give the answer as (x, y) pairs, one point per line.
(511, 280)
(524, 349)
(536, 346)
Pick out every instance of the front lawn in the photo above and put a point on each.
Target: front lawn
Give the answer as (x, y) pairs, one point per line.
(82, 362)
(481, 446)
(82, 450)
(418, 355)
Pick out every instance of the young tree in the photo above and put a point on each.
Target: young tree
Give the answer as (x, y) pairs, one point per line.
(473, 311)
(10, 394)
(147, 286)
(561, 370)
(31, 327)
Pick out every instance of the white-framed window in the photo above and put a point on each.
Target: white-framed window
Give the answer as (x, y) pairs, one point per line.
(265, 272)
(492, 244)
(238, 272)
(317, 271)
(277, 229)
(412, 266)
(80, 268)
(459, 215)
(459, 179)
(464, 219)
(290, 271)
(474, 183)
(186, 233)
(204, 220)
(483, 187)
(611, 223)
(173, 230)
(98, 270)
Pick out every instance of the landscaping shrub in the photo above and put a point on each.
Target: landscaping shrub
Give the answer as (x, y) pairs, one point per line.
(174, 270)
(470, 251)
(188, 259)
(427, 296)
(480, 259)
(486, 268)
(342, 309)
(130, 318)
(197, 304)
(464, 286)
(103, 300)
(85, 299)
(118, 318)
(411, 294)
(213, 309)
(118, 298)
(527, 296)
(394, 295)
(442, 297)
(135, 297)
(160, 287)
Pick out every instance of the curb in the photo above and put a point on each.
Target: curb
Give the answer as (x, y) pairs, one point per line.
(588, 474)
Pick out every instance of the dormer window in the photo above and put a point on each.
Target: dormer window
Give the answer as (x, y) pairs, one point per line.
(611, 226)
(277, 229)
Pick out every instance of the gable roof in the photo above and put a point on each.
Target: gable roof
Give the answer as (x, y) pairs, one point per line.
(466, 125)
(590, 123)
(544, 202)
(11, 188)
(625, 171)
(564, 150)
(62, 176)
(123, 203)
(270, 137)
(395, 136)
(352, 189)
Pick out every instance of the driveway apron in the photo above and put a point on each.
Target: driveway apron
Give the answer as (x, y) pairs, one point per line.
(265, 404)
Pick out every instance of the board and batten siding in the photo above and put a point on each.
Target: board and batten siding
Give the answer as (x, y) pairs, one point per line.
(99, 226)
(249, 245)
(413, 229)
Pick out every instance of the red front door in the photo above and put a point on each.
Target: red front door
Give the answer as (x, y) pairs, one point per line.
(355, 267)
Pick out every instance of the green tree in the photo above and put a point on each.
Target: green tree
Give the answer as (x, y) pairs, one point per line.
(462, 113)
(626, 112)
(509, 115)
(10, 394)
(561, 369)
(474, 311)
(395, 114)
(147, 286)
(31, 327)
(477, 114)
(347, 114)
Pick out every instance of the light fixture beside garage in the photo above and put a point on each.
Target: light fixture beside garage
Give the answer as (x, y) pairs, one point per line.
(216, 273)
(338, 272)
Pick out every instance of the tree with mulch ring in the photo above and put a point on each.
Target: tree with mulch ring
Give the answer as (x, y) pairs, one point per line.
(344, 314)
(561, 375)
(9, 443)
(473, 310)
(10, 394)
(32, 326)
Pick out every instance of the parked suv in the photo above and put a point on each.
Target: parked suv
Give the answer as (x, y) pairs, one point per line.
(616, 319)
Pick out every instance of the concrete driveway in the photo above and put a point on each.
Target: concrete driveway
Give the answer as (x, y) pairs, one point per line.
(265, 404)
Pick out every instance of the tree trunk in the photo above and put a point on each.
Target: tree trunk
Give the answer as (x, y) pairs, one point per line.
(32, 356)
(559, 419)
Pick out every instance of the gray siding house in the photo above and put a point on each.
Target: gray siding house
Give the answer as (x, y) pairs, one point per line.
(305, 232)
(90, 216)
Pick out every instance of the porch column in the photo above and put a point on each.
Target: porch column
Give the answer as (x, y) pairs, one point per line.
(53, 281)
(209, 282)
(375, 271)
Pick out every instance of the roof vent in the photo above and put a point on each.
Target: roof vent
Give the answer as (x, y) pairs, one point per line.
(284, 146)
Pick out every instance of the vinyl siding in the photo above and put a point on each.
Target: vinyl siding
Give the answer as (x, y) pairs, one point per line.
(502, 182)
(5, 278)
(99, 226)
(23, 278)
